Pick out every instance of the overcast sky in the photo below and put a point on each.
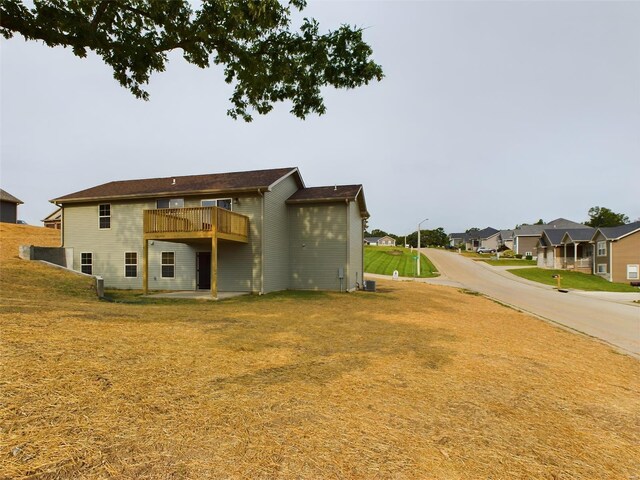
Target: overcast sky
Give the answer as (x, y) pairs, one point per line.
(491, 114)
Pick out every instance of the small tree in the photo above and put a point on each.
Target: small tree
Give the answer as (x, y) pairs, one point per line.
(604, 217)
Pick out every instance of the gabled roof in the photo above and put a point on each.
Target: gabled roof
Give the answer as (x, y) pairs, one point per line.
(484, 233)
(506, 234)
(535, 230)
(615, 233)
(7, 197)
(334, 193)
(228, 183)
(55, 215)
(372, 239)
(462, 236)
(578, 234)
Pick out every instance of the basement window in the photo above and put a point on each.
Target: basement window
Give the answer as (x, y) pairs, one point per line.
(86, 263)
(632, 272)
(104, 215)
(602, 268)
(168, 264)
(130, 264)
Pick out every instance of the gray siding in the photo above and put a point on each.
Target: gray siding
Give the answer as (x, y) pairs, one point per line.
(276, 235)
(318, 245)
(8, 212)
(108, 246)
(356, 247)
(239, 265)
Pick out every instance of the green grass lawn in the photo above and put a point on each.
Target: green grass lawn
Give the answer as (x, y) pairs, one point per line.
(384, 260)
(576, 280)
(508, 262)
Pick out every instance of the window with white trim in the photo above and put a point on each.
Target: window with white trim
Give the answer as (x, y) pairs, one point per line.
(601, 268)
(130, 264)
(602, 249)
(86, 263)
(104, 215)
(528, 254)
(168, 264)
(632, 272)
(170, 203)
(225, 203)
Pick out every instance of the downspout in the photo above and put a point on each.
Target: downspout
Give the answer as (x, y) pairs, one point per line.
(362, 248)
(262, 242)
(610, 261)
(347, 276)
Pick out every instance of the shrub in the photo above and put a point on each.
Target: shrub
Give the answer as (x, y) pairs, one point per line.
(528, 257)
(508, 253)
(518, 255)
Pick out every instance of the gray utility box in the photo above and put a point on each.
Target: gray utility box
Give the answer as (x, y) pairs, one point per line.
(370, 286)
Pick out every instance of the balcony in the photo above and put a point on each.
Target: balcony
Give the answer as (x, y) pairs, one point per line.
(197, 222)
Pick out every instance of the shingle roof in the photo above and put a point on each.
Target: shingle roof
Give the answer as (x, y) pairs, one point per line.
(484, 233)
(613, 233)
(506, 234)
(334, 193)
(189, 184)
(325, 194)
(558, 223)
(7, 197)
(372, 239)
(580, 234)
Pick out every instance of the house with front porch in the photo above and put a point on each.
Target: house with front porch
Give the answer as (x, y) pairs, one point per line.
(257, 231)
(385, 241)
(526, 237)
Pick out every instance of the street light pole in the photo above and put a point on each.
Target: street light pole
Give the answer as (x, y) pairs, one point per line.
(418, 266)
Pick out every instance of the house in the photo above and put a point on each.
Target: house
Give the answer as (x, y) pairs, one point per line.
(385, 241)
(565, 249)
(458, 239)
(8, 207)
(505, 239)
(487, 237)
(525, 238)
(54, 220)
(258, 231)
(617, 252)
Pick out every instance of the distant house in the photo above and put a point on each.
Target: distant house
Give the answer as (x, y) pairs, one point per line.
(54, 220)
(457, 239)
(487, 237)
(505, 239)
(617, 252)
(525, 238)
(385, 241)
(258, 231)
(9, 207)
(566, 249)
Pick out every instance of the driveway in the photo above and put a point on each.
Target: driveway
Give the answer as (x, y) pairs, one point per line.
(609, 317)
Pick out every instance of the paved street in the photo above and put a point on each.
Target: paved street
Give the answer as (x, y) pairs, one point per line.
(610, 317)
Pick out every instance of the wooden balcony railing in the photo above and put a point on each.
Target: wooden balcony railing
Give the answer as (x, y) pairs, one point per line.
(181, 222)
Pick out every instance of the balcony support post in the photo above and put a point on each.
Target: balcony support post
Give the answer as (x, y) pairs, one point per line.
(145, 266)
(214, 253)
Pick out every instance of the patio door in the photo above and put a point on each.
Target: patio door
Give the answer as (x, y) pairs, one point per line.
(203, 270)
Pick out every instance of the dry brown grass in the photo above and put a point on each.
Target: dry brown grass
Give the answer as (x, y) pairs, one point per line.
(415, 381)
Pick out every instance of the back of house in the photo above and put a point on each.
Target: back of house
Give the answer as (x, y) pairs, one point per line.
(257, 231)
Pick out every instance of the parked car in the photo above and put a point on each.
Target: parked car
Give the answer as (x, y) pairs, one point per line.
(486, 250)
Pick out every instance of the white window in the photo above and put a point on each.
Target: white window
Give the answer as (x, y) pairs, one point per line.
(602, 268)
(104, 215)
(86, 263)
(168, 264)
(602, 249)
(225, 203)
(632, 272)
(170, 203)
(131, 264)
(528, 254)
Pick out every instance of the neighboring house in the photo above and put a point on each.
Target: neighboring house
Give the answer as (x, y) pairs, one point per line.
(617, 252)
(9, 207)
(565, 249)
(385, 241)
(487, 237)
(54, 220)
(525, 238)
(505, 239)
(258, 231)
(458, 239)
